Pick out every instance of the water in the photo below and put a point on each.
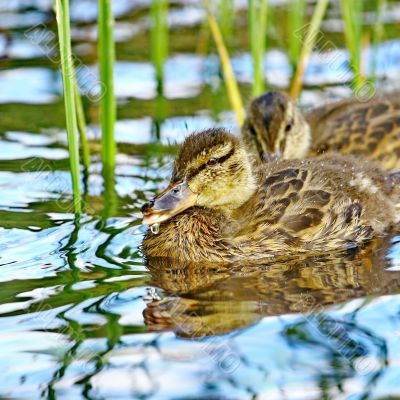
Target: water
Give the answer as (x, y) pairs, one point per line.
(81, 316)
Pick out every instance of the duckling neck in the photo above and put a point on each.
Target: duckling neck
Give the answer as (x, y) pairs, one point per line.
(237, 198)
(192, 235)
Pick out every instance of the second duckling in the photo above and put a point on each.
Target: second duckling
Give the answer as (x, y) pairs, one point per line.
(216, 208)
(275, 126)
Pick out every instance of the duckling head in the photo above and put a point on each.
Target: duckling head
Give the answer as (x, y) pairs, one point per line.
(275, 127)
(212, 170)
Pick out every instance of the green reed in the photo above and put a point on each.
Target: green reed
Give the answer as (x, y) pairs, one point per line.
(296, 14)
(107, 104)
(80, 117)
(307, 46)
(159, 116)
(257, 35)
(377, 34)
(159, 39)
(68, 74)
(352, 19)
(230, 80)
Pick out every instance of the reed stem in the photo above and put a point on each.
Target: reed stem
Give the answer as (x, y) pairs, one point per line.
(107, 104)
(159, 39)
(257, 33)
(80, 117)
(230, 80)
(377, 36)
(307, 47)
(296, 15)
(352, 19)
(68, 74)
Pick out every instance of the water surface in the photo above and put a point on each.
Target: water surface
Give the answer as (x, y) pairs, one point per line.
(82, 316)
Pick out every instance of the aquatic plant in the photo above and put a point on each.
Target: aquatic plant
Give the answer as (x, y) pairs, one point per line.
(107, 103)
(377, 34)
(308, 44)
(296, 14)
(68, 74)
(352, 20)
(159, 39)
(159, 53)
(230, 80)
(80, 118)
(257, 35)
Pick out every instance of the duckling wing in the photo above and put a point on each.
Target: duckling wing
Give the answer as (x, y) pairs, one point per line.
(315, 205)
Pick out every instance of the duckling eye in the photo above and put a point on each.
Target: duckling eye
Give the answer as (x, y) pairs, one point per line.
(253, 131)
(288, 127)
(212, 161)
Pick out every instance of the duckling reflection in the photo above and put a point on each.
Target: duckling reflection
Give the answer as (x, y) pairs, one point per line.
(210, 299)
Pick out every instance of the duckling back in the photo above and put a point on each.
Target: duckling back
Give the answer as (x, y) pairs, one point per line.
(370, 129)
(320, 204)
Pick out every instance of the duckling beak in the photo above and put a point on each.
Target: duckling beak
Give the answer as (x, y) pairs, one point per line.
(172, 201)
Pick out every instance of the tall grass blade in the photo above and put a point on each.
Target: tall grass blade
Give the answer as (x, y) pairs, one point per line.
(257, 33)
(80, 117)
(160, 114)
(230, 80)
(297, 9)
(352, 19)
(264, 7)
(107, 105)
(308, 44)
(159, 39)
(377, 35)
(67, 66)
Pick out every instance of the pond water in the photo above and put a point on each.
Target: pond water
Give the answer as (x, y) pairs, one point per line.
(82, 316)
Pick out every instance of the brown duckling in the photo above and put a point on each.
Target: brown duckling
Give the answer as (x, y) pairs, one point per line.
(217, 209)
(275, 126)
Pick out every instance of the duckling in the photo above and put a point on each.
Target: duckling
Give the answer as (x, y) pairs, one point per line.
(217, 208)
(275, 126)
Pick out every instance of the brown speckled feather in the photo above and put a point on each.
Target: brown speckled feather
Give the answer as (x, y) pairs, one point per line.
(316, 205)
(371, 129)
